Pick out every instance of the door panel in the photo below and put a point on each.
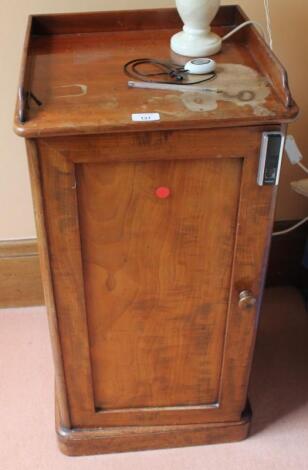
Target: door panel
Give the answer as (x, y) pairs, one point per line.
(146, 290)
(157, 278)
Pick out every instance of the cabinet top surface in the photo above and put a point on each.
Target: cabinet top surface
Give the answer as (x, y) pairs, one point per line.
(74, 64)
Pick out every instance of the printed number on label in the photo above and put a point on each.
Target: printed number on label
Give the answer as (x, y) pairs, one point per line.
(146, 117)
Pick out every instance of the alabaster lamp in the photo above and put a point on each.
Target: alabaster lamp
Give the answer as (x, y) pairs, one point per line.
(196, 39)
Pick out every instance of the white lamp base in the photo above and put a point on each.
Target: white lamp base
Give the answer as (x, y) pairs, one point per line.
(200, 44)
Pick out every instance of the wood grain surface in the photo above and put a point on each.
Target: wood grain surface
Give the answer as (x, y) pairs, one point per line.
(80, 80)
(123, 260)
(152, 342)
(157, 276)
(20, 279)
(128, 439)
(63, 409)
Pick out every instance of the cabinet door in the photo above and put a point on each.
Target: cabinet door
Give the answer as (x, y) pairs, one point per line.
(147, 288)
(157, 276)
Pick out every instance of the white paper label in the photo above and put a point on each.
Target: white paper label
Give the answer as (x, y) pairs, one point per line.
(144, 117)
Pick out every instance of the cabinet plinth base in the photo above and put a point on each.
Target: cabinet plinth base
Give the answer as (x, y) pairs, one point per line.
(77, 442)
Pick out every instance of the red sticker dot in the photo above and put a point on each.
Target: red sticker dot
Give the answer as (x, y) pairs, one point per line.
(163, 192)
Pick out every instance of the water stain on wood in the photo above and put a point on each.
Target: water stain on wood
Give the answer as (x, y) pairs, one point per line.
(235, 83)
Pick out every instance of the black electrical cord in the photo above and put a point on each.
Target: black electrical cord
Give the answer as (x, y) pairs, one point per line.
(176, 72)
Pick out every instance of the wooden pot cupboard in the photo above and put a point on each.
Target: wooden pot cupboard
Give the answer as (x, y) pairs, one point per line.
(154, 236)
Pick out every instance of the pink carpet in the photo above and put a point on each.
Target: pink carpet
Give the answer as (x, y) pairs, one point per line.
(279, 397)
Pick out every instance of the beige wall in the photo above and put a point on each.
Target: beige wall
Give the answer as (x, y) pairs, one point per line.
(290, 42)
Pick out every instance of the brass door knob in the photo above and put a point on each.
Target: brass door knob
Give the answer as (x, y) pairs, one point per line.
(246, 300)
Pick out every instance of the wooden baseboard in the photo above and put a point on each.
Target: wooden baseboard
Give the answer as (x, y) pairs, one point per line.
(20, 278)
(80, 442)
(21, 286)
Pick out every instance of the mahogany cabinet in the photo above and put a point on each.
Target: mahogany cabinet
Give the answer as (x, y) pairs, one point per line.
(154, 236)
